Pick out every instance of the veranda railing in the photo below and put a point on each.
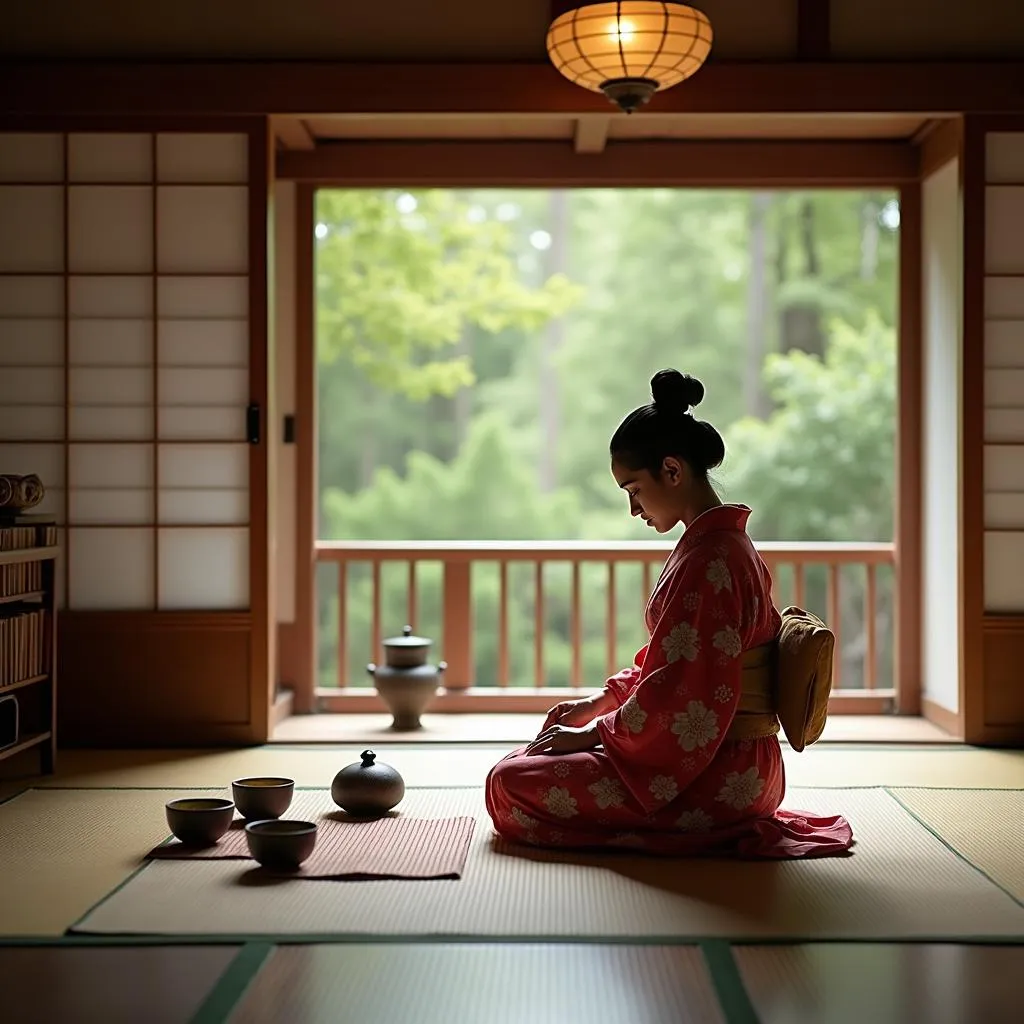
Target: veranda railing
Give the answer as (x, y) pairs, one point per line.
(520, 624)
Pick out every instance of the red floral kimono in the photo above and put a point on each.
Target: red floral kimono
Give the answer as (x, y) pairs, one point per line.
(666, 779)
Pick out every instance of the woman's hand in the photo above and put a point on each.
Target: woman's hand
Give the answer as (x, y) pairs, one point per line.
(577, 713)
(561, 739)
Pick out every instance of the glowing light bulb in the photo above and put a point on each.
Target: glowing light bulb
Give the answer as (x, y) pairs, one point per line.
(622, 32)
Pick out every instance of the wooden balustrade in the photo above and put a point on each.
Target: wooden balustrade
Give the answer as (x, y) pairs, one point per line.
(791, 565)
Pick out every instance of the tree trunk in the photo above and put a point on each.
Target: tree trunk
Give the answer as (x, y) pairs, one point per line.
(869, 236)
(800, 325)
(755, 401)
(369, 455)
(462, 402)
(551, 342)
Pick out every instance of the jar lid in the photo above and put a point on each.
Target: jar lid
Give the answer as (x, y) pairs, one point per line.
(407, 640)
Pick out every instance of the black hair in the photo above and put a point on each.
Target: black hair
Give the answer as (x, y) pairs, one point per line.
(667, 427)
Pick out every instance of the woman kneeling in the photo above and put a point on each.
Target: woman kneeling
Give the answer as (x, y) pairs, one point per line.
(658, 760)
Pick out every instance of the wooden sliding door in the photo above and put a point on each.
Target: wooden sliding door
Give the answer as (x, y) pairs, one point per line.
(133, 380)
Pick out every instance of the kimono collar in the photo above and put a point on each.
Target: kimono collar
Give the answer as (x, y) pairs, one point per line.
(715, 520)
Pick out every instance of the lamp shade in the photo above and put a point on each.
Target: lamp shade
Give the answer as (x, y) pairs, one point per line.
(629, 50)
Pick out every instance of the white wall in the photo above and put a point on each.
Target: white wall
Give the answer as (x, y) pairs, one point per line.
(1004, 373)
(284, 377)
(942, 288)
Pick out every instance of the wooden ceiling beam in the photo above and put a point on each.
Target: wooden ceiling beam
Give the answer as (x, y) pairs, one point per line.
(766, 164)
(304, 89)
(813, 30)
(591, 133)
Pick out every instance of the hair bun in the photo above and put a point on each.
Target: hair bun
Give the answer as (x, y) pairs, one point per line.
(673, 391)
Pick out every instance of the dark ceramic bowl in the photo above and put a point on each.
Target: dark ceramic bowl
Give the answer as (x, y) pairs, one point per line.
(281, 845)
(258, 799)
(200, 821)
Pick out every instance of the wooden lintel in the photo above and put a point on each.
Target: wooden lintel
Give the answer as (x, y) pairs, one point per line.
(306, 89)
(293, 133)
(591, 133)
(636, 164)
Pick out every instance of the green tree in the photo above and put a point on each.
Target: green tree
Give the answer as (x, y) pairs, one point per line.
(402, 276)
(415, 291)
(821, 467)
(488, 492)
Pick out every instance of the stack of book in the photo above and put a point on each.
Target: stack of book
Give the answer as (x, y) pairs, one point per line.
(21, 533)
(23, 635)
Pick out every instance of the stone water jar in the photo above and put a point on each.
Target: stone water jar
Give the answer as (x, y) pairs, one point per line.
(406, 681)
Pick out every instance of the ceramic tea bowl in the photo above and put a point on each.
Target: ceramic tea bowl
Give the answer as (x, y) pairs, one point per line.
(199, 821)
(281, 844)
(259, 799)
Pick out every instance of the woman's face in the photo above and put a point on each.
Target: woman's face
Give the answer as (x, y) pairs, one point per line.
(658, 500)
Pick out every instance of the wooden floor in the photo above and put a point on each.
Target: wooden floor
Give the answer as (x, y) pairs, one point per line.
(504, 728)
(483, 983)
(82, 980)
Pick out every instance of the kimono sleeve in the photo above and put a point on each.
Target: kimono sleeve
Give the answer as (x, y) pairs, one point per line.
(621, 685)
(668, 730)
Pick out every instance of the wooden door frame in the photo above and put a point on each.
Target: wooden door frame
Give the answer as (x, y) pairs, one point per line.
(262, 460)
(991, 645)
(303, 651)
(763, 164)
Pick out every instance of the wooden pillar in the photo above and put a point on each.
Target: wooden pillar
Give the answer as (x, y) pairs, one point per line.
(305, 648)
(908, 458)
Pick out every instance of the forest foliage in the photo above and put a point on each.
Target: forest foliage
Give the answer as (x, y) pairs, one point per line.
(477, 348)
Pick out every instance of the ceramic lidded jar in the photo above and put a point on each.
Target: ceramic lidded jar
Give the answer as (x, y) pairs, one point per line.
(406, 681)
(368, 789)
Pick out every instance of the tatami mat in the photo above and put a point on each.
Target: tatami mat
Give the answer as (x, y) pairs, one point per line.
(985, 826)
(893, 984)
(476, 983)
(62, 850)
(901, 883)
(425, 766)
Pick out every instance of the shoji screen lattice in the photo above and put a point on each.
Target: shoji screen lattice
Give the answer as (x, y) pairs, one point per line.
(124, 352)
(1004, 372)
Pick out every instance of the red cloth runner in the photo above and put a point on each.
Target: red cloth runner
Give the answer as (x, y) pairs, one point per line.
(395, 847)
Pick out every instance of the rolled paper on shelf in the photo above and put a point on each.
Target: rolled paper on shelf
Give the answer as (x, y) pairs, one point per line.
(32, 491)
(20, 492)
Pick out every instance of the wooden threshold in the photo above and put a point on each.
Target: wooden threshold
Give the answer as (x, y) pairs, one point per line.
(283, 708)
(518, 728)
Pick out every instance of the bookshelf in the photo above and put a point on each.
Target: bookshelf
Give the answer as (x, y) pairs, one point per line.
(28, 629)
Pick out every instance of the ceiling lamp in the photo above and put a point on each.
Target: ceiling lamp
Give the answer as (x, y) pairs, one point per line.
(630, 50)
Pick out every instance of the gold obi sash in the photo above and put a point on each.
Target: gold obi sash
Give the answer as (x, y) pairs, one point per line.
(756, 716)
(787, 682)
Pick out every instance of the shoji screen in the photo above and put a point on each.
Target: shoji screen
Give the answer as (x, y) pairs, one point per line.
(133, 338)
(124, 349)
(32, 315)
(1004, 372)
